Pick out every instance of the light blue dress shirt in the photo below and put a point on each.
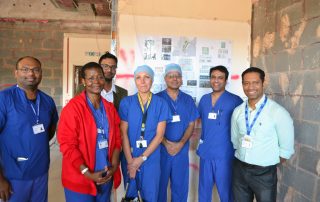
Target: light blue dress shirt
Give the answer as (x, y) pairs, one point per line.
(272, 134)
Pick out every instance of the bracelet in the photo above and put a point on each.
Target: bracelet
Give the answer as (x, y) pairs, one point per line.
(84, 170)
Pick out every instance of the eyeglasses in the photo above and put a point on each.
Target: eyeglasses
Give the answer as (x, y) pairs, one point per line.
(106, 66)
(26, 70)
(172, 76)
(98, 78)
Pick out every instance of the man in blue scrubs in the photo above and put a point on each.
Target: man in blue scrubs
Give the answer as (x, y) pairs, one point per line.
(175, 144)
(28, 119)
(215, 148)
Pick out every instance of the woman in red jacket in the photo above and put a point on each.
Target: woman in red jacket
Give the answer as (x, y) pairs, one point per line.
(90, 142)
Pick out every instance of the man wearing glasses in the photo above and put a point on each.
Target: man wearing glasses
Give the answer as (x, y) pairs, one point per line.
(175, 144)
(28, 119)
(111, 92)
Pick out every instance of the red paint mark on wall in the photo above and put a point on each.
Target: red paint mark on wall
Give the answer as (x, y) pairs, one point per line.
(123, 56)
(6, 85)
(235, 77)
(124, 76)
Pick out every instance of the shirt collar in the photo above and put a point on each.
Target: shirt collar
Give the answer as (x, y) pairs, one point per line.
(260, 102)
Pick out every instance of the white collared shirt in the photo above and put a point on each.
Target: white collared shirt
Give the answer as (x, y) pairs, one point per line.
(109, 95)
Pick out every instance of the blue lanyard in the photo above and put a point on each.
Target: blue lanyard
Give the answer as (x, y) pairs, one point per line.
(173, 103)
(99, 121)
(249, 127)
(36, 113)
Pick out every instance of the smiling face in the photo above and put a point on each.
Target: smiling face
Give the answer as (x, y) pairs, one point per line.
(173, 80)
(93, 81)
(252, 86)
(28, 73)
(143, 82)
(218, 81)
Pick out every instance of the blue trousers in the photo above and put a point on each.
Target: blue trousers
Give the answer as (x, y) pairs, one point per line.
(175, 168)
(104, 192)
(217, 172)
(30, 190)
(147, 181)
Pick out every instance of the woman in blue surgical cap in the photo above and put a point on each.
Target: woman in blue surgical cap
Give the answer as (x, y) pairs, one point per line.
(143, 121)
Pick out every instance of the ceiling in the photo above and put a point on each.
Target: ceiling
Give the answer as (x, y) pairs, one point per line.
(98, 7)
(100, 10)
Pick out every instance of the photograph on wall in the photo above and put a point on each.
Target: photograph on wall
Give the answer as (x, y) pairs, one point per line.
(149, 50)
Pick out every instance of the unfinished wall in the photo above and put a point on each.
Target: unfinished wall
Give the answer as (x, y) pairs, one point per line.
(286, 44)
(42, 39)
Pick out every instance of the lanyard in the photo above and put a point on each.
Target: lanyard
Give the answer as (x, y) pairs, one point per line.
(249, 127)
(173, 102)
(36, 113)
(141, 103)
(99, 117)
(144, 118)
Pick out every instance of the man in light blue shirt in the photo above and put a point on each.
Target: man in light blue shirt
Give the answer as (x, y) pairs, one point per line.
(262, 134)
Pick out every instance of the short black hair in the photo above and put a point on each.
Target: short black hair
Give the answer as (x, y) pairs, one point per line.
(24, 57)
(108, 55)
(255, 70)
(89, 65)
(221, 69)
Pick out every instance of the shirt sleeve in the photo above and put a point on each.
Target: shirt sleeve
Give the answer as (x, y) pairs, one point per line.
(68, 131)
(117, 128)
(55, 116)
(285, 133)
(194, 114)
(123, 109)
(165, 111)
(3, 112)
(239, 101)
(200, 107)
(234, 130)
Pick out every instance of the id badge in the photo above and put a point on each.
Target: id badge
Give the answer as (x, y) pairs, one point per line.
(100, 131)
(247, 142)
(175, 118)
(103, 144)
(141, 143)
(38, 128)
(212, 115)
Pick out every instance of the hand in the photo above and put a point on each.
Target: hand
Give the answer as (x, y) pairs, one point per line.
(5, 189)
(134, 166)
(173, 147)
(282, 160)
(110, 171)
(97, 177)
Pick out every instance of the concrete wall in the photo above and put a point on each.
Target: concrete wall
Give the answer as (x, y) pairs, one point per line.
(286, 44)
(42, 39)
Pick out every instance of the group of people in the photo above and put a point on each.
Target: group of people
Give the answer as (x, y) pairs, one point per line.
(148, 134)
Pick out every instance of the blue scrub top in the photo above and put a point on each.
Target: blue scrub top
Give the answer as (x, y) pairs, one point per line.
(16, 134)
(130, 111)
(216, 133)
(184, 107)
(101, 121)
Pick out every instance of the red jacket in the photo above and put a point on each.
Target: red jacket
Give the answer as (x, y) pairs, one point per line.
(77, 133)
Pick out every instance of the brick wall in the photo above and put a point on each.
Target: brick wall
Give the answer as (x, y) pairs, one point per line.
(286, 44)
(43, 40)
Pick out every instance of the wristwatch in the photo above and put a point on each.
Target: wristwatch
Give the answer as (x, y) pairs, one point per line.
(144, 158)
